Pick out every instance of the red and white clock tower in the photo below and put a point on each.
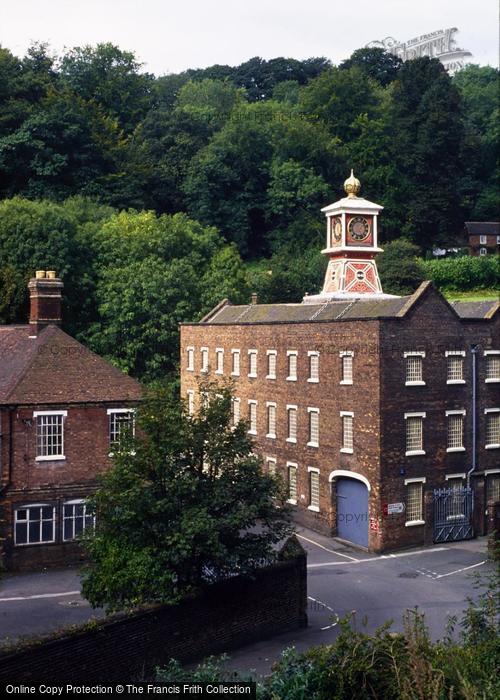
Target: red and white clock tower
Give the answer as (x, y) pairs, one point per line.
(351, 245)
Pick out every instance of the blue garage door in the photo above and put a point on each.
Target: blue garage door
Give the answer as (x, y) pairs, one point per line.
(352, 511)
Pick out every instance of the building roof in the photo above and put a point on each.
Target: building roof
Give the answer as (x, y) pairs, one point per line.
(54, 368)
(475, 228)
(335, 310)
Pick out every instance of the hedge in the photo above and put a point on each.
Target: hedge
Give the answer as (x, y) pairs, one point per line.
(464, 273)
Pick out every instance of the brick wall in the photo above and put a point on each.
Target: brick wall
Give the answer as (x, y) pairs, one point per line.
(128, 648)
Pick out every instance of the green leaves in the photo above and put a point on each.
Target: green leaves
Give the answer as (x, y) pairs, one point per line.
(186, 504)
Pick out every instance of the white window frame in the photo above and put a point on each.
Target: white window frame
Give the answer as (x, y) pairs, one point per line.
(311, 354)
(483, 240)
(421, 355)
(235, 352)
(271, 461)
(190, 358)
(311, 506)
(493, 445)
(190, 401)
(483, 251)
(219, 360)
(413, 453)
(417, 480)
(236, 411)
(292, 465)
(50, 458)
(313, 411)
(113, 411)
(460, 412)
(461, 475)
(271, 433)
(342, 354)
(253, 356)
(16, 521)
(289, 354)
(492, 380)
(454, 353)
(291, 407)
(269, 354)
(498, 240)
(205, 360)
(252, 402)
(347, 414)
(75, 502)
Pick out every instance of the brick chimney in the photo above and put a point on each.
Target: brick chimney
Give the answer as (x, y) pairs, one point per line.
(45, 300)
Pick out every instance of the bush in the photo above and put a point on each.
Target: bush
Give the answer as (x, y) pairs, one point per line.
(464, 273)
(398, 267)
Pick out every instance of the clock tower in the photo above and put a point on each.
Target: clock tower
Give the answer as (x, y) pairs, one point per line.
(351, 246)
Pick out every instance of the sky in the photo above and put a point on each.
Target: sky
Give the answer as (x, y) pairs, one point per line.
(168, 37)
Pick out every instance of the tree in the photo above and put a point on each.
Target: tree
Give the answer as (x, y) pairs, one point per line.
(376, 62)
(186, 504)
(398, 267)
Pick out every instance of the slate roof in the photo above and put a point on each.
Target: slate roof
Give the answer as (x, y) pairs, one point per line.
(475, 228)
(359, 309)
(54, 368)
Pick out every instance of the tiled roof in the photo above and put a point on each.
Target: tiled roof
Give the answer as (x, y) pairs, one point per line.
(476, 309)
(475, 228)
(55, 368)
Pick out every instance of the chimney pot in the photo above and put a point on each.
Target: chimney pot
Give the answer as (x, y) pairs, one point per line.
(40, 274)
(51, 274)
(254, 299)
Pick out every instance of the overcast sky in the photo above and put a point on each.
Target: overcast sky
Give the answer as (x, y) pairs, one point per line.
(171, 36)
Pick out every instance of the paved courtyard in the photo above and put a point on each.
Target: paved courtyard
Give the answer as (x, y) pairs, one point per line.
(437, 579)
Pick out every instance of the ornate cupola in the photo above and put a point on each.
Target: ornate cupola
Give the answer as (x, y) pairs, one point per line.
(351, 246)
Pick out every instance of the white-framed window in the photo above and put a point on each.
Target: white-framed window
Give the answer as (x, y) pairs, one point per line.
(49, 434)
(313, 489)
(235, 363)
(236, 410)
(292, 365)
(190, 358)
(313, 366)
(492, 416)
(493, 488)
(219, 360)
(271, 465)
(313, 427)
(271, 364)
(347, 359)
(204, 359)
(498, 240)
(347, 418)
(292, 482)
(414, 368)
(121, 425)
(455, 441)
(252, 363)
(271, 419)
(34, 524)
(291, 413)
(414, 501)
(252, 416)
(482, 240)
(414, 433)
(455, 366)
(190, 401)
(77, 517)
(483, 251)
(492, 359)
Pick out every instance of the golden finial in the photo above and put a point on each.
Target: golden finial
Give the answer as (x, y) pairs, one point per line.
(352, 185)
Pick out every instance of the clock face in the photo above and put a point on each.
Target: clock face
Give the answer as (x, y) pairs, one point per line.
(359, 228)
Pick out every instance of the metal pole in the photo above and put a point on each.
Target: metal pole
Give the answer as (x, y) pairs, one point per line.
(474, 350)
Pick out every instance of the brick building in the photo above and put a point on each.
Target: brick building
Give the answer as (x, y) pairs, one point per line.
(483, 237)
(362, 401)
(61, 409)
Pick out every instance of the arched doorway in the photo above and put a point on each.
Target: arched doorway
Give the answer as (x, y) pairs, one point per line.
(352, 506)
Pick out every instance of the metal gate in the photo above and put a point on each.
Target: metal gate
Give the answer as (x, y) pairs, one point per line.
(453, 510)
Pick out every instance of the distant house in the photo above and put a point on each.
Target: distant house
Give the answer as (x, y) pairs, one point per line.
(62, 408)
(484, 237)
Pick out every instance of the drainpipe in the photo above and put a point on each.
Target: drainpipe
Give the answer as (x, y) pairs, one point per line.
(474, 351)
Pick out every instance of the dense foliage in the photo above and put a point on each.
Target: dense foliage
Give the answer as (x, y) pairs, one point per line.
(186, 504)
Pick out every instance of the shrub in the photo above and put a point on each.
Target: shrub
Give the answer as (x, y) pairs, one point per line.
(464, 273)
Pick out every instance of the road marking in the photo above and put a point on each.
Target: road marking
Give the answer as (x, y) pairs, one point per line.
(39, 595)
(320, 602)
(466, 568)
(332, 551)
(382, 556)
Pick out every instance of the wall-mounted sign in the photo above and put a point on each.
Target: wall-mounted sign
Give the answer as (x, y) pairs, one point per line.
(394, 508)
(439, 44)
